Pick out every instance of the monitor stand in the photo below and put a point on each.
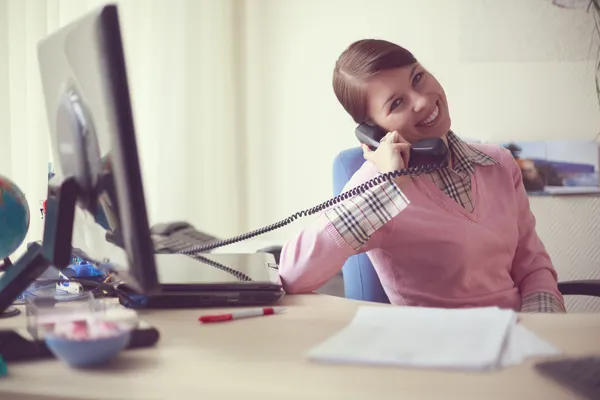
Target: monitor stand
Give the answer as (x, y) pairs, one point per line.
(55, 249)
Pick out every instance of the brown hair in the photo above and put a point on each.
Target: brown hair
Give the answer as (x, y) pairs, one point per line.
(359, 62)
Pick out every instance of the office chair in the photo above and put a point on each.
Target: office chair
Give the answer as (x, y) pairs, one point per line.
(360, 279)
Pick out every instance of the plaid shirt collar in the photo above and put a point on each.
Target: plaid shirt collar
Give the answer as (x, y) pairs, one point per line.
(465, 156)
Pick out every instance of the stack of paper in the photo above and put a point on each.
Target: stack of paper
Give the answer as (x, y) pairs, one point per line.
(418, 337)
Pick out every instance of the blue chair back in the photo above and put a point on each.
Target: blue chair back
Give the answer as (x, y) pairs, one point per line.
(360, 279)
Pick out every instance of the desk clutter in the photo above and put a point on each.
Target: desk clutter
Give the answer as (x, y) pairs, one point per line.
(476, 339)
(76, 282)
(82, 332)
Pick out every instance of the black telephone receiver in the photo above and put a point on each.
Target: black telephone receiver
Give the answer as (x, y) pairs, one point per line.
(422, 152)
(426, 156)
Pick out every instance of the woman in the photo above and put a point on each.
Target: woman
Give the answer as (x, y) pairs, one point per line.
(463, 236)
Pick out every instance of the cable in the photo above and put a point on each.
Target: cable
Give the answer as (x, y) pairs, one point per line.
(238, 274)
(414, 171)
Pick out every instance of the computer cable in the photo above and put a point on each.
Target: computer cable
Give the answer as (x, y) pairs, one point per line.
(239, 275)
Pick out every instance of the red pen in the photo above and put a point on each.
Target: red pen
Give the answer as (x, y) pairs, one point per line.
(240, 314)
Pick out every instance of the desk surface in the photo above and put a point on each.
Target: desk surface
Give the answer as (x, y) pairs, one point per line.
(263, 358)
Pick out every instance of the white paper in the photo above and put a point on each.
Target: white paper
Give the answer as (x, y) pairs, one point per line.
(418, 337)
(521, 344)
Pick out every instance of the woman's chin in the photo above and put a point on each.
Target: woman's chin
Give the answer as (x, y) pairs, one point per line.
(438, 131)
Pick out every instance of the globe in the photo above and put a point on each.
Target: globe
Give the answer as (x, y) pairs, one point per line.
(14, 217)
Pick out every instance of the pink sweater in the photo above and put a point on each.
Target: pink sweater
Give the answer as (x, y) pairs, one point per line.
(428, 250)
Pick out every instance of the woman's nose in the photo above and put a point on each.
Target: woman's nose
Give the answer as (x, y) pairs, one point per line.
(419, 102)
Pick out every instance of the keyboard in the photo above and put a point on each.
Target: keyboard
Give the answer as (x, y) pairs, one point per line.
(581, 375)
(176, 236)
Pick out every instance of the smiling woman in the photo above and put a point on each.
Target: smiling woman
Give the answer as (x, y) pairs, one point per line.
(376, 81)
(461, 236)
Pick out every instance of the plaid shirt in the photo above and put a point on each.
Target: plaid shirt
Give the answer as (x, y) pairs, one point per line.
(456, 181)
(357, 218)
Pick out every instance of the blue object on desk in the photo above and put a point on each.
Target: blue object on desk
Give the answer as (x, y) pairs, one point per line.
(360, 279)
(85, 270)
(88, 352)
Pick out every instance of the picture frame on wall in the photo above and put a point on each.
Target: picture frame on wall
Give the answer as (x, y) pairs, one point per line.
(555, 167)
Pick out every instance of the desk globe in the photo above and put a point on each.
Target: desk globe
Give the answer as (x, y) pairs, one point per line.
(14, 217)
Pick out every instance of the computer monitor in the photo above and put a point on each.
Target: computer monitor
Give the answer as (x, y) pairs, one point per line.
(97, 174)
(84, 81)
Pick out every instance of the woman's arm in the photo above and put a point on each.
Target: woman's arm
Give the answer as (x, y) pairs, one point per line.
(312, 257)
(532, 268)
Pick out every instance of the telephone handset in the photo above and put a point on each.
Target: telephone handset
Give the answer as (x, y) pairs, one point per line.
(426, 155)
(422, 152)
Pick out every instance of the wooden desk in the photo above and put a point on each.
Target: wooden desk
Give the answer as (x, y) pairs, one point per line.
(263, 358)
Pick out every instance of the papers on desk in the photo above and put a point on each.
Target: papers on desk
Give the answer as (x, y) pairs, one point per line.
(462, 339)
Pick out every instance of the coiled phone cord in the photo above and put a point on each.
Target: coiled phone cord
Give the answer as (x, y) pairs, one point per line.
(414, 171)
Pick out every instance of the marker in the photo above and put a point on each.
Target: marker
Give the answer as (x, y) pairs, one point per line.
(240, 314)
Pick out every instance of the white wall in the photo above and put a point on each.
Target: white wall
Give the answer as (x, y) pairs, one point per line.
(236, 119)
(512, 69)
(182, 59)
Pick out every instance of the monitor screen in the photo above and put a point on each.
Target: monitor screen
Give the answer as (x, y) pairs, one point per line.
(92, 134)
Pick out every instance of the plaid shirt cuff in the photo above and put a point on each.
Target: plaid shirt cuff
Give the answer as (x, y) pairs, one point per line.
(357, 218)
(542, 302)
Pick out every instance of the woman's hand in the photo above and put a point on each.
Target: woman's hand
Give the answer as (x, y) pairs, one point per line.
(392, 154)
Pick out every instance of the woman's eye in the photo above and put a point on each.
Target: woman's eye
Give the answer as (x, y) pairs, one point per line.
(417, 78)
(395, 104)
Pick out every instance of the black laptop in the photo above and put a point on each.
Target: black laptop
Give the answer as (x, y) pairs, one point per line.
(211, 280)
